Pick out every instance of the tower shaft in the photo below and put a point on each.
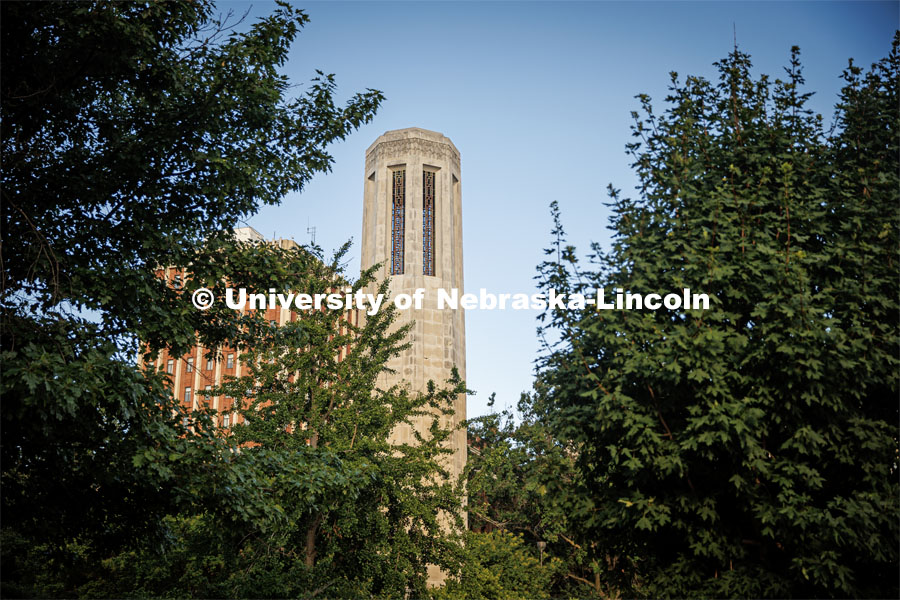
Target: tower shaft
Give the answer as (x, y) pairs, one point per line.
(412, 226)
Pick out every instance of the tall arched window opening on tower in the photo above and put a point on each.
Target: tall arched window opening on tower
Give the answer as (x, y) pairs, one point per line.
(398, 224)
(428, 222)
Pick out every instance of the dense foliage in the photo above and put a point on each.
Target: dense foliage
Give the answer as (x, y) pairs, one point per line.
(137, 135)
(133, 136)
(364, 515)
(305, 495)
(498, 566)
(523, 480)
(749, 449)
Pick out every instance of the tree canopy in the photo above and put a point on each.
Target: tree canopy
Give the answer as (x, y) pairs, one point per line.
(134, 136)
(749, 449)
(366, 515)
(304, 493)
(138, 135)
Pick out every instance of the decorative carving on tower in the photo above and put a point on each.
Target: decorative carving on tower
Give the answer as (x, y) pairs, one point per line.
(421, 247)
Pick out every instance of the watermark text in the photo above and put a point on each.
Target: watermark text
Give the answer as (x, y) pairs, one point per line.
(453, 299)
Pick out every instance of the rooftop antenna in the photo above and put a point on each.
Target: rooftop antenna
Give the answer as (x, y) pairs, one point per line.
(311, 231)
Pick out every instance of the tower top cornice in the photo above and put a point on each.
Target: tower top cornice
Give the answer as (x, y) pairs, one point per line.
(412, 133)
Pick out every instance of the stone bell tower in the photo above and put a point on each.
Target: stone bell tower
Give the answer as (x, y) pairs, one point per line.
(412, 225)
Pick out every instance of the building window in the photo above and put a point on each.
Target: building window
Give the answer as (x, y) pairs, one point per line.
(226, 420)
(428, 222)
(207, 394)
(209, 364)
(177, 282)
(230, 362)
(187, 395)
(190, 365)
(170, 366)
(398, 223)
(273, 323)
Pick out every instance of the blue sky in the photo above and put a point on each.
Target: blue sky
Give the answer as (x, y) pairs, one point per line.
(537, 97)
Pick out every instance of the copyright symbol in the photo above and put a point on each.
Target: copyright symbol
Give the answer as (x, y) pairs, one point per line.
(203, 298)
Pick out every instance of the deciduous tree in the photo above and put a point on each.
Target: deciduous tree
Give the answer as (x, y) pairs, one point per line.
(369, 515)
(134, 136)
(749, 449)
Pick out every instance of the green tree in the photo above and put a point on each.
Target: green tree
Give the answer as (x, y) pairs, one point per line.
(522, 479)
(499, 566)
(749, 449)
(134, 135)
(148, 152)
(365, 518)
(305, 496)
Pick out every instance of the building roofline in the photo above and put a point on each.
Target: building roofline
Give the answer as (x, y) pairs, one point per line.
(412, 133)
